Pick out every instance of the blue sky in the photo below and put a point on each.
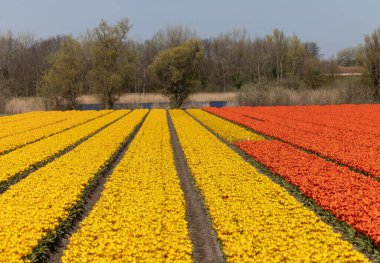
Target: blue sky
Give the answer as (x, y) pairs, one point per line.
(333, 24)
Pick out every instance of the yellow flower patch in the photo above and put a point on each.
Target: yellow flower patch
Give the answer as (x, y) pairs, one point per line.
(36, 205)
(32, 121)
(255, 219)
(24, 158)
(11, 119)
(76, 117)
(225, 129)
(140, 216)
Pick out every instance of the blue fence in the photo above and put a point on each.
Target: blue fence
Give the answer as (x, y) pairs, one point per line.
(89, 107)
(218, 104)
(163, 105)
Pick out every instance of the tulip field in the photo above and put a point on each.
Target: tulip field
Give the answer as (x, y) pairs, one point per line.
(232, 184)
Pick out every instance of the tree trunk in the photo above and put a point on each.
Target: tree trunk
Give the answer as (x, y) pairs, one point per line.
(110, 102)
(258, 71)
(376, 88)
(375, 81)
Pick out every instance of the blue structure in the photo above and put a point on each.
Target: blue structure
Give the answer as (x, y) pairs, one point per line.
(150, 105)
(89, 107)
(218, 104)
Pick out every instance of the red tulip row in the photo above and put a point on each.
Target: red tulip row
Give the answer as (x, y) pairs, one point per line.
(328, 125)
(359, 150)
(331, 116)
(349, 196)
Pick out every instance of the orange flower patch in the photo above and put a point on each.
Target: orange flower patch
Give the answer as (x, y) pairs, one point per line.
(350, 196)
(345, 133)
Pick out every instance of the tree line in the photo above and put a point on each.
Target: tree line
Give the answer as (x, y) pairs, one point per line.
(175, 61)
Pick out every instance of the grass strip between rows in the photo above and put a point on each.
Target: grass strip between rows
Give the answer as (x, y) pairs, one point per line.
(20, 163)
(36, 212)
(206, 245)
(36, 121)
(11, 143)
(52, 240)
(345, 194)
(255, 218)
(140, 215)
(361, 242)
(230, 131)
(15, 117)
(270, 137)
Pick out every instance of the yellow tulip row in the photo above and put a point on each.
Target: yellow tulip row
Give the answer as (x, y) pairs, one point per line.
(140, 216)
(18, 140)
(34, 120)
(35, 206)
(8, 119)
(255, 219)
(225, 129)
(25, 158)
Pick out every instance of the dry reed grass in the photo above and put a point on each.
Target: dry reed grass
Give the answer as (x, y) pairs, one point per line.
(20, 105)
(158, 98)
(253, 95)
(210, 96)
(24, 104)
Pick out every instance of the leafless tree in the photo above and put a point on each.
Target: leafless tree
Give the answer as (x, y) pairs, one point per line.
(370, 59)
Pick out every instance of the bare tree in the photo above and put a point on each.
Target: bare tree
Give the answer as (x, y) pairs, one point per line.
(370, 59)
(312, 49)
(347, 57)
(279, 44)
(22, 61)
(295, 55)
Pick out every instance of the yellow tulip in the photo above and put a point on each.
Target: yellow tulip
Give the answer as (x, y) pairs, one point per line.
(254, 218)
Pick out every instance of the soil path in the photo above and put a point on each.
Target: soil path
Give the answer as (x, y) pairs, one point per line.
(55, 256)
(206, 247)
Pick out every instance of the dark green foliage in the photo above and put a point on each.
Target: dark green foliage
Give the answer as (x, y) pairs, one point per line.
(176, 71)
(111, 66)
(61, 84)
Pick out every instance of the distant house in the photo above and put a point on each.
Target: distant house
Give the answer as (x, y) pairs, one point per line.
(349, 71)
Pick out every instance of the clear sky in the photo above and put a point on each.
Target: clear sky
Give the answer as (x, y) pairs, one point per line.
(333, 24)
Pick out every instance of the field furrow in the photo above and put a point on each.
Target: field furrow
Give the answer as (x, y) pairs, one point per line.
(349, 196)
(333, 116)
(140, 215)
(12, 142)
(255, 219)
(33, 121)
(35, 154)
(333, 134)
(8, 119)
(35, 211)
(348, 151)
(229, 131)
(231, 184)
